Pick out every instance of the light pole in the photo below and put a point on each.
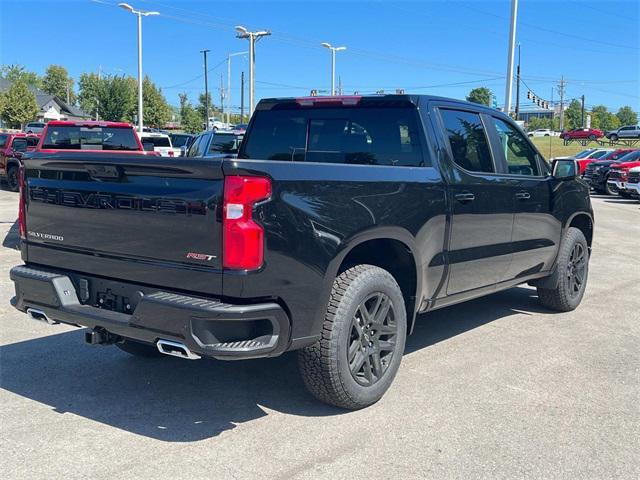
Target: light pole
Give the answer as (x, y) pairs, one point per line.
(139, 14)
(206, 91)
(253, 37)
(229, 55)
(333, 64)
(512, 44)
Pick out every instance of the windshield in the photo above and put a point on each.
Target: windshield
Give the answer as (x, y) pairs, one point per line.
(584, 153)
(600, 154)
(73, 137)
(630, 157)
(157, 141)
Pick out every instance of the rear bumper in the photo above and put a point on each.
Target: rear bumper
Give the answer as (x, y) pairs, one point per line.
(207, 327)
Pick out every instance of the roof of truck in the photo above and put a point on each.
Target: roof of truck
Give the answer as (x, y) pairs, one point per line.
(89, 124)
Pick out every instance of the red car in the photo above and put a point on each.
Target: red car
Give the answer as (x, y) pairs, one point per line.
(614, 155)
(618, 176)
(9, 161)
(585, 133)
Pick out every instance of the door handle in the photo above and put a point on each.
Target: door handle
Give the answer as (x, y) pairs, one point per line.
(523, 195)
(465, 197)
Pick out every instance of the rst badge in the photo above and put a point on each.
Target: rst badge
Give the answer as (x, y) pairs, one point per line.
(200, 256)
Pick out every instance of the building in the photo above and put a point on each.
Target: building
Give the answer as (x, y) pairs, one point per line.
(50, 107)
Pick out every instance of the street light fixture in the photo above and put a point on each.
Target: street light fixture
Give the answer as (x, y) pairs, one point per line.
(333, 63)
(253, 37)
(139, 14)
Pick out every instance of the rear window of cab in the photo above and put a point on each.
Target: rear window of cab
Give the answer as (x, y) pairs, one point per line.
(73, 137)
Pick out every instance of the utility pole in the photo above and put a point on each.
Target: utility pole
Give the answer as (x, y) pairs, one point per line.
(98, 100)
(253, 37)
(518, 86)
(68, 93)
(512, 44)
(242, 97)
(206, 91)
(228, 93)
(222, 95)
(339, 85)
(561, 87)
(582, 113)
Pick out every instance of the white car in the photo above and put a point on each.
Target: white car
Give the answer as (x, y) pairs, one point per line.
(161, 144)
(215, 124)
(543, 132)
(34, 127)
(633, 181)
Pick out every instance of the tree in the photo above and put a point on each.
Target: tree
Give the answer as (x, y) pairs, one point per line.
(90, 90)
(19, 105)
(118, 98)
(202, 106)
(14, 73)
(603, 119)
(481, 95)
(190, 119)
(573, 115)
(156, 109)
(627, 116)
(57, 81)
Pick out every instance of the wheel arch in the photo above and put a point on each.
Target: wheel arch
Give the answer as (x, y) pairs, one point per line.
(583, 221)
(372, 247)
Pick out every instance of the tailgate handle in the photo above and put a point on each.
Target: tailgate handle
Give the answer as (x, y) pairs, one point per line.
(103, 171)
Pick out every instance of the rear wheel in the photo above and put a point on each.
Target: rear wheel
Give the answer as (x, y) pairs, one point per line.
(139, 349)
(613, 137)
(573, 269)
(362, 340)
(592, 137)
(12, 178)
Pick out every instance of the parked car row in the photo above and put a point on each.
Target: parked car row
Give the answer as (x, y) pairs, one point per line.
(610, 173)
(11, 147)
(629, 132)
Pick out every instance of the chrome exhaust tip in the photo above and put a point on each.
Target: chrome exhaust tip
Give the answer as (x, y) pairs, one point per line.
(40, 316)
(176, 349)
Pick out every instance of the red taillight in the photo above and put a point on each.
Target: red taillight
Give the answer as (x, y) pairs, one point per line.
(171, 153)
(243, 238)
(22, 220)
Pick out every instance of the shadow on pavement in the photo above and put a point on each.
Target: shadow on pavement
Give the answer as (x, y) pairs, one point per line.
(181, 401)
(12, 238)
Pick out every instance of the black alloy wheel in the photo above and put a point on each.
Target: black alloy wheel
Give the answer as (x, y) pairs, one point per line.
(372, 340)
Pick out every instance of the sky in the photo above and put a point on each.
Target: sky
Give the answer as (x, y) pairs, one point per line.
(433, 47)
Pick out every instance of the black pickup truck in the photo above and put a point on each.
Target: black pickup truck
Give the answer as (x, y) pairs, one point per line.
(340, 220)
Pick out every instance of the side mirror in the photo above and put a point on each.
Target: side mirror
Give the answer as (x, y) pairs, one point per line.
(564, 169)
(183, 151)
(148, 146)
(19, 145)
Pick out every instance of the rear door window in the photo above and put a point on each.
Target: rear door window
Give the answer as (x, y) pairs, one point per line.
(468, 140)
(365, 136)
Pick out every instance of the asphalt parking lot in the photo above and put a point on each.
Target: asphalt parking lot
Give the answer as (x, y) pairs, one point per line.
(495, 388)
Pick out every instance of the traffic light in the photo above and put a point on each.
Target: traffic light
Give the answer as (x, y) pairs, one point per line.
(529, 94)
(533, 98)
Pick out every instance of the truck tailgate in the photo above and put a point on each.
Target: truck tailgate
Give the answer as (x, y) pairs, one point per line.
(140, 218)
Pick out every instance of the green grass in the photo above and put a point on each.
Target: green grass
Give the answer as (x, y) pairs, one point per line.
(554, 147)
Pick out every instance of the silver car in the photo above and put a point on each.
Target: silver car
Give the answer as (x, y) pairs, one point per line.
(34, 127)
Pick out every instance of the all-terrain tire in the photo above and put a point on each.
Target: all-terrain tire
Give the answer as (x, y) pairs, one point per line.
(566, 296)
(326, 367)
(139, 349)
(609, 190)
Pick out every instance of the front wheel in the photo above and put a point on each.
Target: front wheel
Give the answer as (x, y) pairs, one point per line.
(609, 189)
(363, 336)
(12, 178)
(613, 137)
(572, 267)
